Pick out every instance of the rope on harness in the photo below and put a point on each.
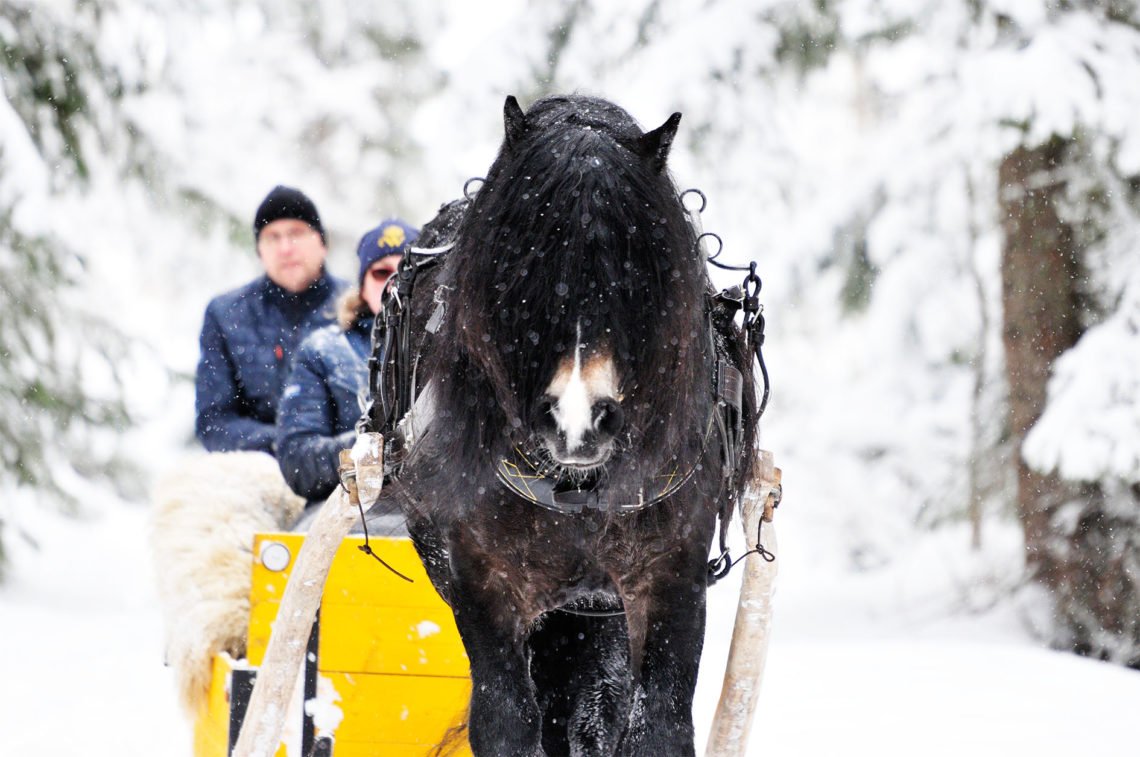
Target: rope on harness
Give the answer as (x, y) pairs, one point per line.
(347, 481)
(723, 564)
(366, 548)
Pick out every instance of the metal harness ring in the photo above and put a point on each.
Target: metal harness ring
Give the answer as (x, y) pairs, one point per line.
(698, 193)
(467, 187)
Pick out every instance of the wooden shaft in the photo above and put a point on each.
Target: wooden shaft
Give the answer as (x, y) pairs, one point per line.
(264, 720)
(748, 652)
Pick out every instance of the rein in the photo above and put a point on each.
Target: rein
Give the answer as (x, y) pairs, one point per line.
(392, 356)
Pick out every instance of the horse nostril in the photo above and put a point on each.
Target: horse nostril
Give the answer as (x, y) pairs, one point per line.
(608, 417)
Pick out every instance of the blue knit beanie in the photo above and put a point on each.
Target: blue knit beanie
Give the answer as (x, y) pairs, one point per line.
(392, 237)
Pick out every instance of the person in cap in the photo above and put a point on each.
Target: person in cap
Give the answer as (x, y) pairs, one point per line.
(327, 390)
(249, 334)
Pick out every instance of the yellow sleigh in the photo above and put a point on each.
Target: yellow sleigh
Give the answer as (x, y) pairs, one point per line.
(385, 674)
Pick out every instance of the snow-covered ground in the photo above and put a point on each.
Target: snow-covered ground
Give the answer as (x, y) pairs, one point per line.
(889, 661)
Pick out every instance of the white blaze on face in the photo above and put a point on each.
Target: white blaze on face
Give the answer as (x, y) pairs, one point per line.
(577, 387)
(572, 411)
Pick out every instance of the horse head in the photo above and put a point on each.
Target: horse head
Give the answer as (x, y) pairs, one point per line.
(581, 296)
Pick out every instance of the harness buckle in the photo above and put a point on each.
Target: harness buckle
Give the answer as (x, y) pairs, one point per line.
(729, 384)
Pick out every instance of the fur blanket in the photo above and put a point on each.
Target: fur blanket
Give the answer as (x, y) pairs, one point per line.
(206, 512)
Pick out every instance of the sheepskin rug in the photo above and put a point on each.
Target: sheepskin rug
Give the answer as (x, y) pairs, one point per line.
(206, 512)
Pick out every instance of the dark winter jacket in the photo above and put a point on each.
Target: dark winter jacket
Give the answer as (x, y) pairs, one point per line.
(324, 397)
(248, 339)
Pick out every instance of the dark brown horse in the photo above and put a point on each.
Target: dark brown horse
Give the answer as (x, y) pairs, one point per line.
(562, 470)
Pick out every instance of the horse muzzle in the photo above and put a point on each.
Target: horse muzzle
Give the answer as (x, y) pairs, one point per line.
(576, 446)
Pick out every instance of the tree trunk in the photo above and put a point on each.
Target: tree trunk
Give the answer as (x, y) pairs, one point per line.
(1039, 273)
(1076, 543)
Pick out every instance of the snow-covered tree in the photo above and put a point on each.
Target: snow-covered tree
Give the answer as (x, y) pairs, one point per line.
(996, 151)
(135, 141)
(58, 356)
(856, 147)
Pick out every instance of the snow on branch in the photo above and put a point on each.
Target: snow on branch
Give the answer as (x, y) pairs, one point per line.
(1091, 425)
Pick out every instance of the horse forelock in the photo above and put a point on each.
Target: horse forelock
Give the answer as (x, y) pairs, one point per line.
(574, 239)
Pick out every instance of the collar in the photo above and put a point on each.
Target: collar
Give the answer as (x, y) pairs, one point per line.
(359, 337)
(310, 298)
(523, 476)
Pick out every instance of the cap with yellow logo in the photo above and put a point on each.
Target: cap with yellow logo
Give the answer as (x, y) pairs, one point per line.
(392, 237)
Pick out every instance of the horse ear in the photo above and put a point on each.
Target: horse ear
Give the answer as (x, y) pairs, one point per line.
(654, 145)
(514, 120)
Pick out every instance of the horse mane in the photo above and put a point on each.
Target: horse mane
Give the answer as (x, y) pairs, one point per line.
(442, 229)
(578, 228)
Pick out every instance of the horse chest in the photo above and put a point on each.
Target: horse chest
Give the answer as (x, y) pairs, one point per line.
(551, 558)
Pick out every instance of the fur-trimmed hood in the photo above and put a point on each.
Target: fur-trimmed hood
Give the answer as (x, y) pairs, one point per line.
(350, 308)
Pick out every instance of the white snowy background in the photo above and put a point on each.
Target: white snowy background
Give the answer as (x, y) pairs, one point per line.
(892, 635)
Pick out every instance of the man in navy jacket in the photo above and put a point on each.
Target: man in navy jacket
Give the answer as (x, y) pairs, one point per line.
(249, 334)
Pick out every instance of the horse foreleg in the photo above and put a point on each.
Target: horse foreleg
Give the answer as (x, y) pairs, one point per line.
(580, 667)
(504, 719)
(667, 627)
(604, 691)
